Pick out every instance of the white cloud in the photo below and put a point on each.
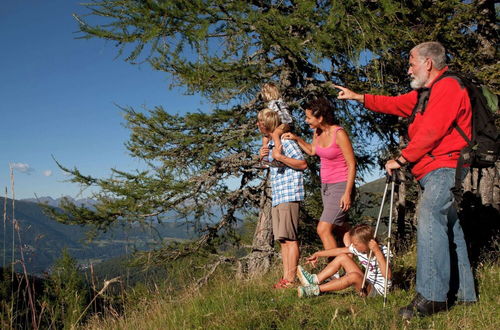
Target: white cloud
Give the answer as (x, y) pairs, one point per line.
(22, 167)
(47, 173)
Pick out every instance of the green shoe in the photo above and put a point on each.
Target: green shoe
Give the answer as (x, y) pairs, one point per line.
(308, 291)
(305, 277)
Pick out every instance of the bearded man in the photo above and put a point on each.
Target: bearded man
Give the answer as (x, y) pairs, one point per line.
(433, 150)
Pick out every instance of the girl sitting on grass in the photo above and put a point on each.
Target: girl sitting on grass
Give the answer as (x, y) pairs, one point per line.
(359, 241)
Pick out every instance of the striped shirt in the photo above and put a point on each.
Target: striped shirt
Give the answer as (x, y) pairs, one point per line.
(287, 184)
(374, 276)
(281, 109)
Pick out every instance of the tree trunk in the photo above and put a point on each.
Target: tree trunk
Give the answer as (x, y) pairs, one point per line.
(260, 258)
(400, 200)
(400, 213)
(485, 183)
(481, 211)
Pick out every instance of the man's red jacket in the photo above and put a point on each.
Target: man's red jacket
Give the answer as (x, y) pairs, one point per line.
(434, 143)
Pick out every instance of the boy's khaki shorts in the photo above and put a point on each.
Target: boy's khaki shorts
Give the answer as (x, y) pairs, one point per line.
(285, 221)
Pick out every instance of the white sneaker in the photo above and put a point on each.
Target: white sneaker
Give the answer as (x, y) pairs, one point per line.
(333, 277)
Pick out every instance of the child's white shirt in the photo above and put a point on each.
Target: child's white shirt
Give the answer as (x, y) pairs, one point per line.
(374, 276)
(281, 109)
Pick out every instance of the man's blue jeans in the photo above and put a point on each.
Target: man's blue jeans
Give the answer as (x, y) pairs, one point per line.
(440, 241)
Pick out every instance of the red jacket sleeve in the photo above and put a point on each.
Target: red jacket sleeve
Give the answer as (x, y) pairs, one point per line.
(401, 105)
(446, 101)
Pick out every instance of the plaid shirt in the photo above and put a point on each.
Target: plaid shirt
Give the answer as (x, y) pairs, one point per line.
(287, 183)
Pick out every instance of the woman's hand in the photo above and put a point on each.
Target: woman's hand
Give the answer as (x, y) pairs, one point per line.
(345, 202)
(289, 136)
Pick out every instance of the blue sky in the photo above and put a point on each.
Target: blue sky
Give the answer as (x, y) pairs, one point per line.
(58, 97)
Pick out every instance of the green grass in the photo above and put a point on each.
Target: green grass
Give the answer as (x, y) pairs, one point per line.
(227, 303)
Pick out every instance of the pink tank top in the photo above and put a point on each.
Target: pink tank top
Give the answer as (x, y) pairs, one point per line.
(333, 167)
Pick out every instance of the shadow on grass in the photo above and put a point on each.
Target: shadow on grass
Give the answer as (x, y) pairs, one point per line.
(481, 229)
(482, 232)
(403, 277)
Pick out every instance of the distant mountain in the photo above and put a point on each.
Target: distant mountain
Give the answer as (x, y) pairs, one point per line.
(43, 238)
(88, 202)
(369, 202)
(370, 198)
(375, 186)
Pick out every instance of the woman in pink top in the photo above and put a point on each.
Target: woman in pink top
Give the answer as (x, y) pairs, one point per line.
(337, 168)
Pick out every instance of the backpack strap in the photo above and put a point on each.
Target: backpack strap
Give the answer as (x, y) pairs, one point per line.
(424, 94)
(458, 190)
(423, 98)
(462, 133)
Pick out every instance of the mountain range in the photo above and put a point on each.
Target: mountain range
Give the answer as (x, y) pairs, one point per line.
(42, 238)
(88, 202)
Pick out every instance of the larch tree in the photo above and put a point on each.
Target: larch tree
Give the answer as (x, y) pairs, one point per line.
(225, 50)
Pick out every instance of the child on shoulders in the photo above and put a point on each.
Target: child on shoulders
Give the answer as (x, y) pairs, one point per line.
(271, 94)
(359, 241)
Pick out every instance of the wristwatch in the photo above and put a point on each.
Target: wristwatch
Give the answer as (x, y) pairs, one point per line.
(399, 162)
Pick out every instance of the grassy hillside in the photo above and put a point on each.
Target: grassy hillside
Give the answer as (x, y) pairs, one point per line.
(228, 303)
(370, 197)
(130, 275)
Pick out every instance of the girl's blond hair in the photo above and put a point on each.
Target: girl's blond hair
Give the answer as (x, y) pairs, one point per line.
(269, 119)
(269, 92)
(363, 232)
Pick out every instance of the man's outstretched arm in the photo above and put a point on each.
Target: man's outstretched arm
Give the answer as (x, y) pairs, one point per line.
(347, 94)
(401, 105)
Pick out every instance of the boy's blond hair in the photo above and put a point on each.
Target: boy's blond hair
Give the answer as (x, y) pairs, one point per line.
(362, 232)
(269, 92)
(269, 119)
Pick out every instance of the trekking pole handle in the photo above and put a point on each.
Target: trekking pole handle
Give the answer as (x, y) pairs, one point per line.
(394, 176)
(391, 178)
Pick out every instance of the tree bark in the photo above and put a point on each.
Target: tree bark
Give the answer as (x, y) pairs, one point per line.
(260, 258)
(400, 199)
(480, 212)
(486, 184)
(400, 213)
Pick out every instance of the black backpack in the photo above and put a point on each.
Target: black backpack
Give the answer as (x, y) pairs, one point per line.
(483, 148)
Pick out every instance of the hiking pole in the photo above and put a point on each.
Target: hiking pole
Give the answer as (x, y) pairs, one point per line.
(387, 257)
(376, 230)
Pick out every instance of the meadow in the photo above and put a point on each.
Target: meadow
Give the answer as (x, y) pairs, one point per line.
(230, 303)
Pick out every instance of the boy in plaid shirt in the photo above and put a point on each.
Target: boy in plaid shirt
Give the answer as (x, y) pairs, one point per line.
(287, 191)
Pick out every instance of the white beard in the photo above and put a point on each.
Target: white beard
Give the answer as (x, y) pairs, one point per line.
(417, 82)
